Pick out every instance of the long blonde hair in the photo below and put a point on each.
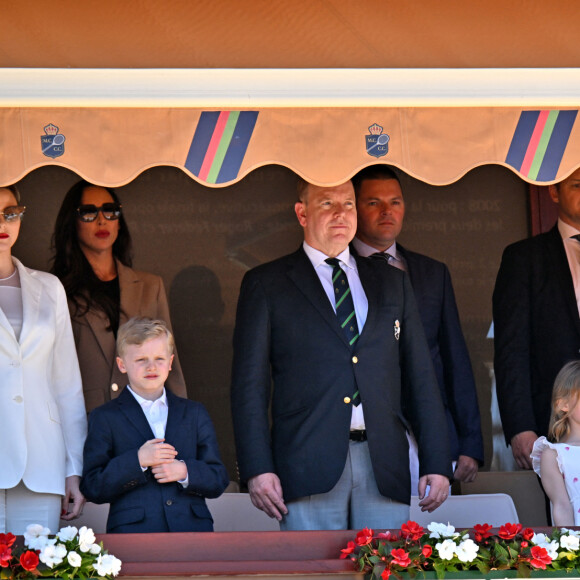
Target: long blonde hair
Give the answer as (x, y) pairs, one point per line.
(566, 391)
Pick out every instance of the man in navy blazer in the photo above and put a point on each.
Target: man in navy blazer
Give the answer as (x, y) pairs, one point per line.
(149, 453)
(328, 462)
(536, 322)
(381, 210)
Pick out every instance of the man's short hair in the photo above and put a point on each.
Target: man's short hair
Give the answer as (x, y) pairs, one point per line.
(374, 172)
(302, 189)
(139, 330)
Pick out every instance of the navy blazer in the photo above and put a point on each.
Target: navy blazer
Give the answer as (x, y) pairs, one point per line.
(287, 334)
(433, 290)
(536, 329)
(112, 473)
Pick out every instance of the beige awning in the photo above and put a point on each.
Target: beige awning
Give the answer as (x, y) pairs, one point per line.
(108, 126)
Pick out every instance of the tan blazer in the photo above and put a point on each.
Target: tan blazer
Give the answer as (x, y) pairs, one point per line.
(142, 294)
(42, 413)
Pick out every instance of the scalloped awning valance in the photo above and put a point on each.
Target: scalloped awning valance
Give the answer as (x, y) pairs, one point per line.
(217, 126)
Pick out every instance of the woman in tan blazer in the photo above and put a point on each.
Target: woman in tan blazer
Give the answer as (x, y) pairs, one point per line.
(42, 413)
(92, 258)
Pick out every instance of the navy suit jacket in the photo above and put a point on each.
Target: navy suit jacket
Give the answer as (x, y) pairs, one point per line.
(112, 473)
(433, 290)
(536, 329)
(287, 334)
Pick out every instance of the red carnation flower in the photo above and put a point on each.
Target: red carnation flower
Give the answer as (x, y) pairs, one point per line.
(5, 555)
(389, 536)
(412, 530)
(364, 537)
(540, 557)
(29, 560)
(7, 539)
(386, 573)
(524, 544)
(509, 531)
(400, 557)
(528, 534)
(348, 550)
(482, 532)
(427, 551)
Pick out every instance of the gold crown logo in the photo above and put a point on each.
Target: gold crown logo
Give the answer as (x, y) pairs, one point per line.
(375, 129)
(51, 129)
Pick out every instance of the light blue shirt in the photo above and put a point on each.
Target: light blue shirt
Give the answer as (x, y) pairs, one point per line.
(324, 273)
(359, 298)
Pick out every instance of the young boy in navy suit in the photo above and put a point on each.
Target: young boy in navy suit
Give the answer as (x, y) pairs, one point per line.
(149, 453)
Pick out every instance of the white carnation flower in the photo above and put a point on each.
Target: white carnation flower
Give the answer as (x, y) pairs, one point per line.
(107, 565)
(67, 534)
(95, 549)
(52, 555)
(467, 550)
(441, 530)
(74, 559)
(36, 536)
(86, 539)
(575, 533)
(446, 549)
(570, 543)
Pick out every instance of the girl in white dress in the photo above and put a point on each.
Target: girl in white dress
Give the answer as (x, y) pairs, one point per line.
(557, 459)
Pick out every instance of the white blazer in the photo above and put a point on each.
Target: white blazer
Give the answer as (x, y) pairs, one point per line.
(43, 422)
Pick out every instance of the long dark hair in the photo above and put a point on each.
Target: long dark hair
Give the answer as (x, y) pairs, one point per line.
(83, 287)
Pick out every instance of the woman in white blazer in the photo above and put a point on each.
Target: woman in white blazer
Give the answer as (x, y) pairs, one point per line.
(42, 413)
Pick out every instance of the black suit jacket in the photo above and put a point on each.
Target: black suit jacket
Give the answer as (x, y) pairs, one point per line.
(112, 474)
(433, 290)
(536, 329)
(287, 334)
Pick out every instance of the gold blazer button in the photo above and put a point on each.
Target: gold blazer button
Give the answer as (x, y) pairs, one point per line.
(347, 400)
(114, 387)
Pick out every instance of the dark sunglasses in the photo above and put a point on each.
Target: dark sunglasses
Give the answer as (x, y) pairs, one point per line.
(89, 212)
(13, 212)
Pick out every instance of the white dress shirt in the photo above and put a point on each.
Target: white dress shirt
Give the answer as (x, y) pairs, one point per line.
(156, 414)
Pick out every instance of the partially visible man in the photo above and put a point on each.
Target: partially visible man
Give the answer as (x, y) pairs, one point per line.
(536, 305)
(381, 210)
(333, 344)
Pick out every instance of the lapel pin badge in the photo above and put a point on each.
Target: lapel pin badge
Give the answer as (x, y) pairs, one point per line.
(397, 329)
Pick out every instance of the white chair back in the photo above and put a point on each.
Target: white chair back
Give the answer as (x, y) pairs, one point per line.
(464, 511)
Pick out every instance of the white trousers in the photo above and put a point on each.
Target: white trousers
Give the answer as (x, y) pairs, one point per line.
(20, 507)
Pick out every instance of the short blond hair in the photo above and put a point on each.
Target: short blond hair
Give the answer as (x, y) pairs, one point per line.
(139, 330)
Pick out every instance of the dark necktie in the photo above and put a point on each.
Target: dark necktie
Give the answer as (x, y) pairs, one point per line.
(344, 308)
(381, 256)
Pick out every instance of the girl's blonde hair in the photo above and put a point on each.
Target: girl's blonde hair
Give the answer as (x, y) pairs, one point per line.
(566, 390)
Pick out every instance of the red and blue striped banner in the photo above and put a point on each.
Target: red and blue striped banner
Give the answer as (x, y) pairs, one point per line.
(219, 144)
(539, 143)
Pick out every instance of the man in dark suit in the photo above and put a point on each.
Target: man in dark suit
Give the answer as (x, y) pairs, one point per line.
(149, 453)
(336, 455)
(536, 322)
(380, 211)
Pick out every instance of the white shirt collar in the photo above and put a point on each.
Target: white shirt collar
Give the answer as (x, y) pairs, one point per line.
(147, 402)
(566, 230)
(365, 250)
(318, 258)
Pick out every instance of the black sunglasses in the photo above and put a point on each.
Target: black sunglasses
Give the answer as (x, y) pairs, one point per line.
(13, 212)
(89, 212)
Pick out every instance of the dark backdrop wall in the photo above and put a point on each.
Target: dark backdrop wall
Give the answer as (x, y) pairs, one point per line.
(203, 240)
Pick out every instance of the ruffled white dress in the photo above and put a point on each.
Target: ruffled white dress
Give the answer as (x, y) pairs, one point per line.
(569, 465)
